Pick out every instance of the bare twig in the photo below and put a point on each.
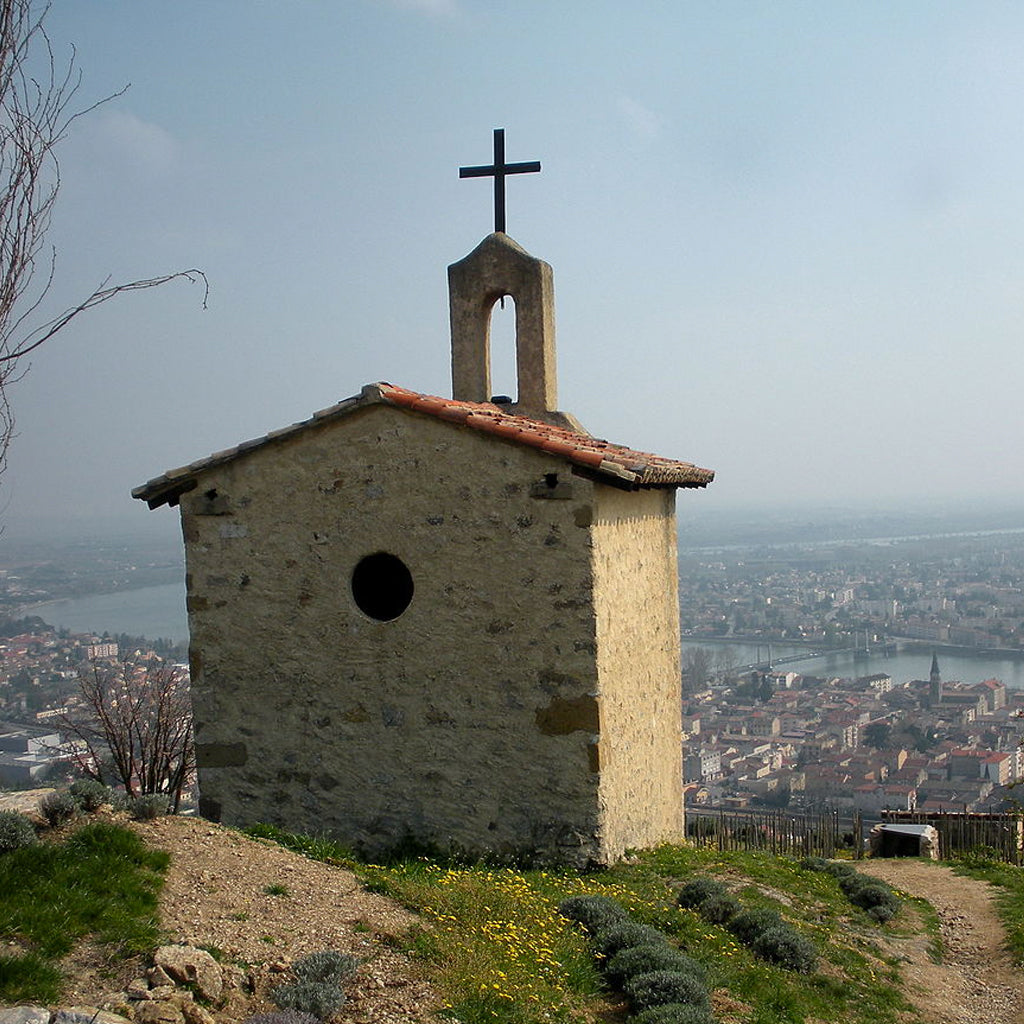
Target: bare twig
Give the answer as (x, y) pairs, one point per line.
(37, 107)
(134, 728)
(44, 332)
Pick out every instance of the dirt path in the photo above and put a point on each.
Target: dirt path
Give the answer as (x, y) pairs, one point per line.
(977, 982)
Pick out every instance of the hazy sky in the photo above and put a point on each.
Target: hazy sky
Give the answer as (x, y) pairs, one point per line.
(788, 238)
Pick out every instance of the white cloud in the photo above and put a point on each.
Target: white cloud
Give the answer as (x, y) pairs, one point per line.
(640, 119)
(145, 144)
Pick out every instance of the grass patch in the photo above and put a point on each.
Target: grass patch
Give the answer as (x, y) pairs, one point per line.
(101, 882)
(929, 920)
(498, 950)
(28, 978)
(503, 950)
(314, 847)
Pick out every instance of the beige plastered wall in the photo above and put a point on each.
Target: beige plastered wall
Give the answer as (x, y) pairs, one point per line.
(471, 719)
(636, 589)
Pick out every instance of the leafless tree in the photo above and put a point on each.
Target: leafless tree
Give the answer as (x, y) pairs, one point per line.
(38, 104)
(725, 664)
(134, 728)
(696, 669)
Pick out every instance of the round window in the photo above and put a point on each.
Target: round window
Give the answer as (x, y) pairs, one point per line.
(382, 586)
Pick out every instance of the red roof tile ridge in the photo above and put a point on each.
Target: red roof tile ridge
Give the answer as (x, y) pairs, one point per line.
(490, 417)
(625, 465)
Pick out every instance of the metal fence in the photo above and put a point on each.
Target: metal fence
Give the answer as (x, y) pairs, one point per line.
(995, 836)
(797, 835)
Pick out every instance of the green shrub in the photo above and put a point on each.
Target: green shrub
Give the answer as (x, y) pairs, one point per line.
(58, 808)
(869, 893)
(977, 857)
(883, 912)
(121, 801)
(316, 997)
(699, 889)
(326, 967)
(317, 987)
(660, 987)
(876, 898)
(89, 794)
(840, 869)
(786, 947)
(149, 806)
(623, 935)
(814, 864)
(852, 882)
(594, 913)
(748, 924)
(719, 909)
(674, 1013)
(16, 831)
(652, 956)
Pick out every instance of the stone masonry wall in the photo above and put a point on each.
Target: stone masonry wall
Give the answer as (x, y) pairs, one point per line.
(470, 719)
(637, 600)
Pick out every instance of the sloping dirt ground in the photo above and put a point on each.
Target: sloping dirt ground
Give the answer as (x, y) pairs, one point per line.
(977, 981)
(215, 896)
(220, 893)
(261, 906)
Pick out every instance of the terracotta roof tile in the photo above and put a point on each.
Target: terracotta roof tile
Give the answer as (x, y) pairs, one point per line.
(624, 466)
(446, 413)
(589, 458)
(648, 470)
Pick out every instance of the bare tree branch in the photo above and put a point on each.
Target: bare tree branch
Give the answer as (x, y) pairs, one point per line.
(44, 332)
(37, 107)
(134, 728)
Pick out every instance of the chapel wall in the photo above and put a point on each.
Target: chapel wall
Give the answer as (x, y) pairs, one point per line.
(471, 718)
(636, 590)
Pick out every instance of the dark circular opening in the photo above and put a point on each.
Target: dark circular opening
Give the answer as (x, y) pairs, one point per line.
(382, 586)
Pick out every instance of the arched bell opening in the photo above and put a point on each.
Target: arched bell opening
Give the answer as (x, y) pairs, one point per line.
(503, 351)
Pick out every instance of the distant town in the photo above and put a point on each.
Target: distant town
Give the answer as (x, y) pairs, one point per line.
(769, 737)
(754, 735)
(778, 739)
(963, 590)
(40, 669)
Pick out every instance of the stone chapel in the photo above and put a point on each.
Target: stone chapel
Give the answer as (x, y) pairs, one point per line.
(453, 620)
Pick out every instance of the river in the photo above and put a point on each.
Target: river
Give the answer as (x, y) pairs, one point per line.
(152, 612)
(905, 665)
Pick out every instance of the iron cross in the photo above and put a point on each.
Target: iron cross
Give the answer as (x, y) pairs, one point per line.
(498, 170)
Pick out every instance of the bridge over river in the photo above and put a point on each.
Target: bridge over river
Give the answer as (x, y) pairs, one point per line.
(902, 658)
(769, 663)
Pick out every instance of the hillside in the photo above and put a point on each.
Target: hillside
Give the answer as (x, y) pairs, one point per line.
(258, 905)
